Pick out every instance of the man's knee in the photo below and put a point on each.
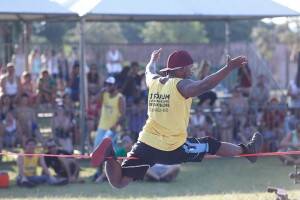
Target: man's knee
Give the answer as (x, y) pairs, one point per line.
(119, 184)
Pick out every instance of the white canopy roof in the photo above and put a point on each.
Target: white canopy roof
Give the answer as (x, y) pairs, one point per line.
(139, 10)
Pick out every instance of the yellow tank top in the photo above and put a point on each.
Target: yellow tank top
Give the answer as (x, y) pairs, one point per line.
(30, 165)
(110, 111)
(168, 116)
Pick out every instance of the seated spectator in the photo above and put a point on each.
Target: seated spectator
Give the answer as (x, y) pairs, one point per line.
(137, 116)
(74, 82)
(26, 116)
(239, 107)
(93, 80)
(259, 94)
(46, 89)
(209, 96)
(130, 83)
(11, 131)
(65, 168)
(225, 123)
(5, 106)
(294, 91)
(27, 86)
(291, 142)
(9, 83)
(93, 110)
(272, 124)
(198, 123)
(163, 173)
(62, 129)
(244, 80)
(27, 167)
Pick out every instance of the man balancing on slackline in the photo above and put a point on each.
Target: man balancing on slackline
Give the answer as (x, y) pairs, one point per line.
(164, 136)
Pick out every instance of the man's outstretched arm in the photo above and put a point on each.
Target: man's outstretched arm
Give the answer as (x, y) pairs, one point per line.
(189, 88)
(150, 71)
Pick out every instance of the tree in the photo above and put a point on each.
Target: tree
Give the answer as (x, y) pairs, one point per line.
(174, 32)
(104, 33)
(53, 31)
(132, 31)
(239, 30)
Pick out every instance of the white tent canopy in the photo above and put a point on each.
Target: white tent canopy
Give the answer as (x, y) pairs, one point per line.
(138, 10)
(108, 10)
(33, 10)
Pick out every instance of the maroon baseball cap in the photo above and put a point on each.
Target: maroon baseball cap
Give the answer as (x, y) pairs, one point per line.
(177, 60)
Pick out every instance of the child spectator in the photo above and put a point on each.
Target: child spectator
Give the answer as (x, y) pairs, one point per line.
(27, 167)
(62, 129)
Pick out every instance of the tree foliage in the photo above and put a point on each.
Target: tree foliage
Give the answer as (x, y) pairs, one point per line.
(174, 32)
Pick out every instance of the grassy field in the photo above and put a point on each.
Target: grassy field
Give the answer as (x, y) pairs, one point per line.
(228, 179)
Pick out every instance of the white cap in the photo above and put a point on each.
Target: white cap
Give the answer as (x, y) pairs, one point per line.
(110, 80)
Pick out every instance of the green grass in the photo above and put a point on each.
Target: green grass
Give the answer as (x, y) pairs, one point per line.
(228, 179)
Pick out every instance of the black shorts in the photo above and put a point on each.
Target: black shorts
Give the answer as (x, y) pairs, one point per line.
(142, 156)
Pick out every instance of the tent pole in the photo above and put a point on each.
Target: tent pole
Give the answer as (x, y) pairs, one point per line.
(227, 38)
(26, 44)
(82, 86)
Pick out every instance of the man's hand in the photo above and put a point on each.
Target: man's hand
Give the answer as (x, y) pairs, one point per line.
(155, 55)
(240, 61)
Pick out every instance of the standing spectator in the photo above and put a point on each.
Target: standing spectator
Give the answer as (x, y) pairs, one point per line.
(18, 58)
(9, 83)
(112, 114)
(74, 82)
(65, 168)
(225, 123)
(35, 63)
(63, 66)
(93, 80)
(52, 64)
(112, 111)
(46, 89)
(27, 166)
(63, 131)
(114, 60)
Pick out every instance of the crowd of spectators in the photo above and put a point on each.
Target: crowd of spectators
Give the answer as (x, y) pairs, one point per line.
(51, 85)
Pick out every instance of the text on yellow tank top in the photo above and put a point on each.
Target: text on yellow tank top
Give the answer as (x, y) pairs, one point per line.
(110, 111)
(30, 165)
(168, 116)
